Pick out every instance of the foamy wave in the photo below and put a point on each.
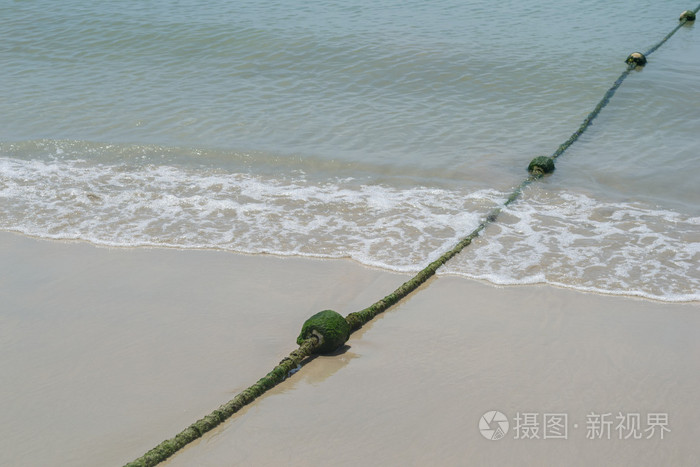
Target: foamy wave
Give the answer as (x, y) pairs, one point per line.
(190, 208)
(573, 240)
(564, 239)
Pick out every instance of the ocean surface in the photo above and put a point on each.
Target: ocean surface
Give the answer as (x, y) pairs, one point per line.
(378, 131)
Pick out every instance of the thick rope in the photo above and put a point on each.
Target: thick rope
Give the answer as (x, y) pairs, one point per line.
(359, 318)
(278, 374)
(682, 22)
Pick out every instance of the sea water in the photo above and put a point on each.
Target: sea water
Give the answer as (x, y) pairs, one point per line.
(378, 131)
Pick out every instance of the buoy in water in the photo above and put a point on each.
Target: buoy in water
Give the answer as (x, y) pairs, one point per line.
(541, 165)
(687, 15)
(637, 58)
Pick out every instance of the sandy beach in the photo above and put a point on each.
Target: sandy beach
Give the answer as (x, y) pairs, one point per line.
(183, 184)
(106, 352)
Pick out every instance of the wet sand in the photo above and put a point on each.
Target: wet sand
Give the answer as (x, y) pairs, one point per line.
(106, 352)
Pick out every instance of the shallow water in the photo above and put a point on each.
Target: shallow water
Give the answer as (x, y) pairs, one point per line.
(379, 132)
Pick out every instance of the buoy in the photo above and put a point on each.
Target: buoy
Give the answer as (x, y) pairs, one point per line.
(330, 327)
(687, 15)
(637, 58)
(541, 165)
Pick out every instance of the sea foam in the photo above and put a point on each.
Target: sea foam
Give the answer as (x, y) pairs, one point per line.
(561, 238)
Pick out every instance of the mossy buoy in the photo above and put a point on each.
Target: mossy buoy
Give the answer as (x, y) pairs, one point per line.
(541, 165)
(637, 58)
(330, 327)
(687, 15)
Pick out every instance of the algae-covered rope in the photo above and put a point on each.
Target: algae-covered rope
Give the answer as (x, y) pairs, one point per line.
(686, 16)
(634, 60)
(327, 330)
(278, 374)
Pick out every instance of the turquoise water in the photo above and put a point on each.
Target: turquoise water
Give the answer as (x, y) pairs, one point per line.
(378, 131)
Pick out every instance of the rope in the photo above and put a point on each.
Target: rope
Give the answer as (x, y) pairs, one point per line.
(631, 65)
(311, 340)
(278, 374)
(686, 17)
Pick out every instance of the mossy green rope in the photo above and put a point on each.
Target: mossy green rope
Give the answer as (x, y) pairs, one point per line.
(685, 18)
(278, 374)
(312, 340)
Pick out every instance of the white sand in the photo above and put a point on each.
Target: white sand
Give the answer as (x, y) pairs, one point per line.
(106, 352)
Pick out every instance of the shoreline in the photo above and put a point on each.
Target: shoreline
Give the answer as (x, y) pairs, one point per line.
(408, 273)
(108, 351)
